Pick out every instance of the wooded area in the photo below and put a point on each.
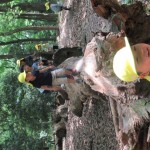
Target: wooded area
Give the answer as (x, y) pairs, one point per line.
(101, 113)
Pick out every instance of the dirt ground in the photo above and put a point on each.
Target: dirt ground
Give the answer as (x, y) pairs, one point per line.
(94, 130)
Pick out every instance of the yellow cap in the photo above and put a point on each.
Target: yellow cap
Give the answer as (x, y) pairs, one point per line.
(124, 65)
(38, 46)
(47, 4)
(22, 77)
(18, 62)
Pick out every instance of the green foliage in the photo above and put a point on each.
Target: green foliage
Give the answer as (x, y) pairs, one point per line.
(24, 114)
(11, 22)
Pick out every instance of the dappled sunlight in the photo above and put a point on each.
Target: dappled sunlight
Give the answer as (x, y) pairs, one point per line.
(79, 65)
(69, 2)
(101, 84)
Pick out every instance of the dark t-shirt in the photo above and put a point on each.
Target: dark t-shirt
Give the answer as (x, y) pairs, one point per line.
(44, 78)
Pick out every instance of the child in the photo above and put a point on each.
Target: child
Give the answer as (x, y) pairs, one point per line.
(50, 80)
(32, 62)
(132, 63)
(46, 47)
(55, 7)
(29, 60)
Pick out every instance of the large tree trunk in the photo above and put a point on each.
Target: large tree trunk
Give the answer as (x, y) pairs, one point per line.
(96, 70)
(5, 1)
(131, 129)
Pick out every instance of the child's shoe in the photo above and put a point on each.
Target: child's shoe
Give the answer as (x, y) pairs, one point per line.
(80, 81)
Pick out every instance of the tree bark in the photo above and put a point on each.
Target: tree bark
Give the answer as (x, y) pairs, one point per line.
(38, 28)
(133, 16)
(27, 40)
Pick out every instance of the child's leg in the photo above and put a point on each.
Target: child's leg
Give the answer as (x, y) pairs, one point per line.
(56, 7)
(65, 8)
(62, 72)
(62, 80)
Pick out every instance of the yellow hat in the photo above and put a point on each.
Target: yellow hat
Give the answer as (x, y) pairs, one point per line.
(38, 46)
(47, 4)
(124, 65)
(18, 62)
(22, 77)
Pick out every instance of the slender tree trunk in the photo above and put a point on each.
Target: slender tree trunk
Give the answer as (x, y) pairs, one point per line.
(39, 7)
(10, 56)
(38, 28)
(5, 1)
(27, 40)
(39, 16)
(6, 56)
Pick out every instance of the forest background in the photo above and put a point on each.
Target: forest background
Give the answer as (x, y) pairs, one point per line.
(25, 120)
(25, 114)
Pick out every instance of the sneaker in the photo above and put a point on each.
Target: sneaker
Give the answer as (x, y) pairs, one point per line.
(75, 72)
(80, 81)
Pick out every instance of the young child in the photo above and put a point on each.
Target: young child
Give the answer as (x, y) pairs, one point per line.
(55, 7)
(46, 47)
(49, 80)
(29, 60)
(132, 63)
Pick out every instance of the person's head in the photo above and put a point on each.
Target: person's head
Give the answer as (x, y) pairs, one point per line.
(25, 68)
(131, 63)
(26, 77)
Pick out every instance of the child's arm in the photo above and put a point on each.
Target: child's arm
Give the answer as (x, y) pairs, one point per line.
(51, 88)
(47, 68)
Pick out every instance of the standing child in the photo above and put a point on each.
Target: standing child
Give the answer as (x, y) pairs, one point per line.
(55, 7)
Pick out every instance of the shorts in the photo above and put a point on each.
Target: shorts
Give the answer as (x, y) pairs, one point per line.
(56, 7)
(58, 77)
